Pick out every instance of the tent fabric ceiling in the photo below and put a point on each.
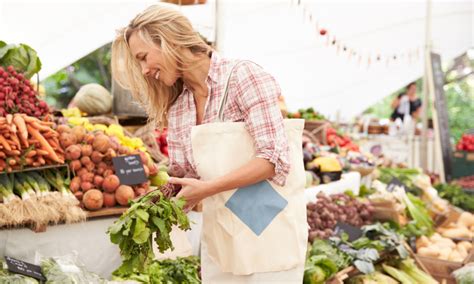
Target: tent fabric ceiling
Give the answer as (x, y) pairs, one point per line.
(279, 37)
(273, 33)
(65, 31)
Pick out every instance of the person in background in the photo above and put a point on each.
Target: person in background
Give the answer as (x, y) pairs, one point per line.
(407, 104)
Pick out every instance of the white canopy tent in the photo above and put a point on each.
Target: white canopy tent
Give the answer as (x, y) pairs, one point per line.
(276, 34)
(283, 38)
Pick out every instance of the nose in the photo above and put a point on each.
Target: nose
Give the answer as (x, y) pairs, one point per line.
(145, 70)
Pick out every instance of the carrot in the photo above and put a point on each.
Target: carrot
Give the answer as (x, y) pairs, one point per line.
(15, 140)
(28, 161)
(31, 154)
(44, 144)
(13, 153)
(2, 155)
(42, 152)
(36, 164)
(46, 123)
(20, 124)
(41, 160)
(9, 118)
(50, 134)
(38, 126)
(11, 162)
(53, 142)
(4, 143)
(13, 128)
(29, 119)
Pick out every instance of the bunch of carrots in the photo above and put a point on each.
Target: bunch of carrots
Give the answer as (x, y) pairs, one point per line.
(26, 141)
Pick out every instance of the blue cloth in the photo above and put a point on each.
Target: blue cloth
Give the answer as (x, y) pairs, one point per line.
(256, 205)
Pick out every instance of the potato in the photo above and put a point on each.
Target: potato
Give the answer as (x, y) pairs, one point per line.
(466, 219)
(455, 256)
(427, 251)
(422, 242)
(467, 245)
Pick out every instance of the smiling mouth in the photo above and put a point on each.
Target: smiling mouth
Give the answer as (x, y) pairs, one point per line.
(157, 75)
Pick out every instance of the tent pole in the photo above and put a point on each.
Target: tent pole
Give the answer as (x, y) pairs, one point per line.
(426, 96)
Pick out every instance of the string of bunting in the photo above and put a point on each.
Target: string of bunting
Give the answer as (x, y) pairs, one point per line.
(362, 58)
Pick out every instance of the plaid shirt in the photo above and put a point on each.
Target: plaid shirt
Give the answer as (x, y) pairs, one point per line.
(252, 98)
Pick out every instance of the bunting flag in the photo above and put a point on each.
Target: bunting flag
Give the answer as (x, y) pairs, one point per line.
(342, 48)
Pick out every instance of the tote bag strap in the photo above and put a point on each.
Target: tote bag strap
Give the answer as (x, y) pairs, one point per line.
(220, 116)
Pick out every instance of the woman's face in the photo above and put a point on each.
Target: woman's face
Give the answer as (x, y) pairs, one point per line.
(151, 61)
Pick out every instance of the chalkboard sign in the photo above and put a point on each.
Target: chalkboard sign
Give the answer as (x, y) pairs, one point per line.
(442, 113)
(353, 232)
(393, 183)
(24, 268)
(129, 169)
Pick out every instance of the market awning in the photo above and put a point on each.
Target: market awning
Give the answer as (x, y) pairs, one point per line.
(285, 38)
(280, 35)
(65, 31)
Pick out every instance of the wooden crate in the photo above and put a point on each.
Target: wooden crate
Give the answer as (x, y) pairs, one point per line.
(385, 211)
(318, 129)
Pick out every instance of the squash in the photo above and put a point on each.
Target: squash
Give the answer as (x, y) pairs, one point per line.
(93, 99)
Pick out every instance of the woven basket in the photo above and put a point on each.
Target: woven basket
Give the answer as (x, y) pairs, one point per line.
(147, 134)
(318, 129)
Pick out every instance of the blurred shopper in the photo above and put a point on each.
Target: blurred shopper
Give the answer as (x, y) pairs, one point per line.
(407, 104)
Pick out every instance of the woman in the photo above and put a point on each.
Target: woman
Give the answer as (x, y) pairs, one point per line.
(407, 104)
(182, 83)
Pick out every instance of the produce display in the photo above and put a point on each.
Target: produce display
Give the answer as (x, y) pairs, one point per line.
(161, 140)
(180, 270)
(466, 143)
(306, 114)
(379, 254)
(89, 155)
(335, 139)
(456, 196)
(466, 182)
(324, 214)
(439, 247)
(28, 142)
(56, 270)
(18, 96)
(115, 130)
(465, 274)
(395, 271)
(463, 228)
(93, 99)
(37, 198)
(151, 214)
(21, 57)
(420, 222)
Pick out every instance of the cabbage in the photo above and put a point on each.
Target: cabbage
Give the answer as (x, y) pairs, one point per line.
(22, 57)
(93, 99)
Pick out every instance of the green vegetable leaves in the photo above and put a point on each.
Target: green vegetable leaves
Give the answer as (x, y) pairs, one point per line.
(133, 232)
(22, 57)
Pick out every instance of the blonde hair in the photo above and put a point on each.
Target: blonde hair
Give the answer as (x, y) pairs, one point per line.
(173, 33)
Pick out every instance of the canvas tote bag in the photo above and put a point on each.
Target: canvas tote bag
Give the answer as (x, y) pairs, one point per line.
(255, 229)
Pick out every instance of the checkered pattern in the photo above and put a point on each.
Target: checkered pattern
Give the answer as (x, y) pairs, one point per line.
(252, 98)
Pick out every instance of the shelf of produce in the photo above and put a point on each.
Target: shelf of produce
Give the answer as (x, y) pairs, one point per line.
(40, 168)
(106, 212)
(349, 181)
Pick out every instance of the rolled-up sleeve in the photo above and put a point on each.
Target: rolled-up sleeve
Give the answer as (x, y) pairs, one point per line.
(257, 97)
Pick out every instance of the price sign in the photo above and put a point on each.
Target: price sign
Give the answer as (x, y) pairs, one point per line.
(24, 268)
(353, 232)
(129, 169)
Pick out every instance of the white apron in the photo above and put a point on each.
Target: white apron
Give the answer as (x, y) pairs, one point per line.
(256, 234)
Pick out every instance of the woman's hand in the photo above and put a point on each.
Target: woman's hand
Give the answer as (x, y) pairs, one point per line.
(192, 190)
